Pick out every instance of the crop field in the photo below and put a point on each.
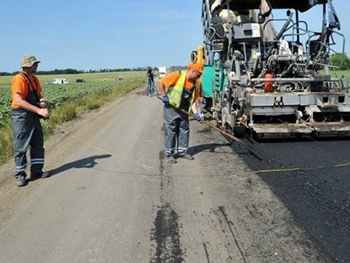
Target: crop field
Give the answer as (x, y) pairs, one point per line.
(56, 94)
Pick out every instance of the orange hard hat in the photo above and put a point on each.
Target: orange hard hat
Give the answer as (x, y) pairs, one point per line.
(196, 66)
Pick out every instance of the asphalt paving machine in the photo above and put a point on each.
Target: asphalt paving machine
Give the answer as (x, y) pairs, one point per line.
(273, 76)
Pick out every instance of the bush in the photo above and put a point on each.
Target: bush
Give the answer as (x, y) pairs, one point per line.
(337, 59)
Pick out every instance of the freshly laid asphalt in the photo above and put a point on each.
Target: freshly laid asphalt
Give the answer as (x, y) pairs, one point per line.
(312, 178)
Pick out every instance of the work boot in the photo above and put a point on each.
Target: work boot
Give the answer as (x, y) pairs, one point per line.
(21, 181)
(40, 175)
(171, 159)
(186, 156)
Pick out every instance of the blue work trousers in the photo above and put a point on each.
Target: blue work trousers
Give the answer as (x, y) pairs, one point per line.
(150, 87)
(176, 130)
(27, 132)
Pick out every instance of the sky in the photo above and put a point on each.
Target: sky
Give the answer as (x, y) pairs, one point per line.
(108, 34)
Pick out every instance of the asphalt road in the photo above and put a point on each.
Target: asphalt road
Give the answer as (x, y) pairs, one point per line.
(113, 197)
(312, 178)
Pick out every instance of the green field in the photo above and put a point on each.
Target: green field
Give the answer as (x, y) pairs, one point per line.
(5, 81)
(58, 94)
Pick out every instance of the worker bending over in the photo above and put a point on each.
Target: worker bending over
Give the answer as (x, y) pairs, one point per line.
(181, 92)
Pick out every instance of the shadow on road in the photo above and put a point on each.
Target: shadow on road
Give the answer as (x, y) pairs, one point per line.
(206, 147)
(88, 162)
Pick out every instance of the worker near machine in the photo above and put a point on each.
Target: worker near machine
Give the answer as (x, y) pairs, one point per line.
(27, 108)
(150, 82)
(268, 85)
(180, 92)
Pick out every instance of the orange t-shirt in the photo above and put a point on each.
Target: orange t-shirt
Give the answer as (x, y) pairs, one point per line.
(19, 85)
(170, 80)
(268, 86)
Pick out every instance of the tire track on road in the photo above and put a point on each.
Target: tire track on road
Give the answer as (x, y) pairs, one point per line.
(166, 230)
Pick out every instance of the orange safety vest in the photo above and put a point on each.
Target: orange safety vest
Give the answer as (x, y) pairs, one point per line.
(268, 85)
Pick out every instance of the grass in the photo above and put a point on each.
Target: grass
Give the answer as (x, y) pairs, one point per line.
(339, 73)
(5, 81)
(5, 144)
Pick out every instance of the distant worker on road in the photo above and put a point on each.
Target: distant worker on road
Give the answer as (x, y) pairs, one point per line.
(180, 93)
(26, 108)
(268, 85)
(150, 82)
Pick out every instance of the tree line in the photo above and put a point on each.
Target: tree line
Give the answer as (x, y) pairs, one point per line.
(75, 71)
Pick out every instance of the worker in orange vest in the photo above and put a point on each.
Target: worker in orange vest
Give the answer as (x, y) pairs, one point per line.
(268, 85)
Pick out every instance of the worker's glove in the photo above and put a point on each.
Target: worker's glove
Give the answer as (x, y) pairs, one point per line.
(165, 100)
(197, 117)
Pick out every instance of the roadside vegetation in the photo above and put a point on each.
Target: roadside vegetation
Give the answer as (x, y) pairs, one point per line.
(339, 73)
(67, 101)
